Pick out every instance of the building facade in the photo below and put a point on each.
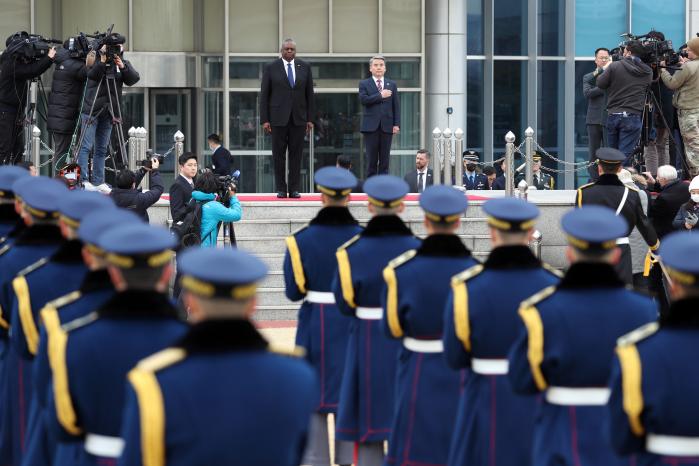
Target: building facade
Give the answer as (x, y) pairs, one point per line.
(486, 66)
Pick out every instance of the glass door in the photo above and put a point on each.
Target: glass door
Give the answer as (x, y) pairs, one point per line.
(170, 111)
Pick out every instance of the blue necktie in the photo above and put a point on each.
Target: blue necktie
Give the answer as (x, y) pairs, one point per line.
(290, 74)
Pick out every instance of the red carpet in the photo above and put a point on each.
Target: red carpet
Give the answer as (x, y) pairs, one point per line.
(263, 197)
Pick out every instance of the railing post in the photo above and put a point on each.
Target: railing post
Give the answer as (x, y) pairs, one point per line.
(535, 243)
(436, 165)
(523, 190)
(458, 157)
(447, 156)
(179, 145)
(529, 155)
(132, 149)
(311, 159)
(142, 145)
(509, 162)
(36, 147)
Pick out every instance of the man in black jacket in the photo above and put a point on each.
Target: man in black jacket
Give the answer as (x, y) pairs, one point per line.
(126, 196)
(181, 189)
(15, 73)
(673, 193)
(67, 87)
(220, 157)
(96, 118)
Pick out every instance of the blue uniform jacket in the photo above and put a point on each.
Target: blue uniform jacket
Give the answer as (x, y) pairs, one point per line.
(655, 385)
(493, 426)
(568, 341)
(91, 358)
(219, 396)
(95, 290)
(480, 181)
(426, 388)
(310, 264)
(379, 113)
(367, 392)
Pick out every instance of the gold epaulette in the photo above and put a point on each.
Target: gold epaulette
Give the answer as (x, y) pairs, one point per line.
(351, 241)
(553, 270)
(299, 230)
(80, 322)
(162, 359)
(639, 334)
(467, 274)
(402, 259)
(586, 185)
(295, 352)
(29, 269)
(64, 300)
(538, 297)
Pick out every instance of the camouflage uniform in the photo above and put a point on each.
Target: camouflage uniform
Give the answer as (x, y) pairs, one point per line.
(689, 127)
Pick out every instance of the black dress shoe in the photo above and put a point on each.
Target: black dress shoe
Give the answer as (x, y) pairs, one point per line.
(281, 194)
(295, 195)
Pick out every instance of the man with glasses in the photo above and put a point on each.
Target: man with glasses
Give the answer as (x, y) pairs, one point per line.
(596, 114)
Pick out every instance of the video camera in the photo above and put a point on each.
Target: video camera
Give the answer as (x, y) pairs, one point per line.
(655, 48)
(29, 47)
(78, 46)
(148, 163)
(112, 41)
(226, 184)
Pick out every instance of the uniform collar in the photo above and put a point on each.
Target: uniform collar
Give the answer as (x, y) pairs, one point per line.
(683, 313)
(69, 252)
(138, 303)
(96, 280)
(512, 257)
(219, 335)
(334, 216)
(386, 225)
(591, 275)
(609, 180)
(443, 246)
(39, 235)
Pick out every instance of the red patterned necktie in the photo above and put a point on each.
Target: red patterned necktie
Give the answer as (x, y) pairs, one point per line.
(378, 85)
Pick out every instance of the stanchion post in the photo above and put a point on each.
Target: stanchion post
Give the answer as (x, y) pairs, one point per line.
(509, 161)
(448, 150)
(179, 145)
(141, 155)
(436, 164)
(535, 243)
(132, 149)
(458, 157)
(529, 155)
(36, 147)
(311, 159)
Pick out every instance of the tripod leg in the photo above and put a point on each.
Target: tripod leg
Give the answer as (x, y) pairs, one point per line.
(117, 122)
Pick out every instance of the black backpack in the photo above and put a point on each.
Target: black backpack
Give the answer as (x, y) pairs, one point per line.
(188, 228)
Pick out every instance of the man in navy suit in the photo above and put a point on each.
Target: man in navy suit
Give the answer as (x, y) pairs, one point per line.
(286, 109)
(381, 118)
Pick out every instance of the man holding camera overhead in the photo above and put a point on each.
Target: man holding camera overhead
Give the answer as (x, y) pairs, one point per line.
(19, 63)
(126, 196)
(96, 114)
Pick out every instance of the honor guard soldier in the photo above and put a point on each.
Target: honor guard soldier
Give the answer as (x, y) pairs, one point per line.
(427, 390)
(494, 425)
(655, 385)
(541, 180)
(38, 199)
(608, 191)
(220, 395)
(309, 267)
(95, 289)
(567, 345)
(471, 178)
(9, 217)
(92, 354)
(368, 383)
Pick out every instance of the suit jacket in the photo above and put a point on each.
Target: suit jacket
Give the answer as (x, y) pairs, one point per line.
(379, 113)
(180, 194)
(222, 161)
(279, 102)
(480, 182)
(596, 100)
(411, 179)
(664, 208)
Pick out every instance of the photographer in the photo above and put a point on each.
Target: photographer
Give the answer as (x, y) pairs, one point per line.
(96, 115)
(214, 211)
(69, 76)
(626, 82)
(126, 195)
(685, 83)
(687, 217)
(16, 69)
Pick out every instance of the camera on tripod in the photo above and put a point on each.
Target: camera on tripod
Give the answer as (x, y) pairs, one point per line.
(148, 163)
(111, 41)
(29, 47)
(655, 49)
(226, 184)
(78, 46)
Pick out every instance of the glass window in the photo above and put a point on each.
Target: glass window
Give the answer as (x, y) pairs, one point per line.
(84, 16)
(347, 72)
(402, 25)
(245, 130)
(599, 23)
(551, 27)
(254, 26)
(246, 72)
(213, 114)
(550, 115)
(14, 17)
(669, 19)
(172, 32)
(213, 25)
(474, 27)
(355, 26)
(307, 22)
(213, 71)
(510, 32)
(475, 100)
(409, 136)
(509, 100)
(581, 68)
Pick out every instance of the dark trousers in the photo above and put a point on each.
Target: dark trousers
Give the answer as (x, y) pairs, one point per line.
(378, 151)
(624, 268)
(623, 133)
(291, 137)
(595, 137)
(11, 138)
(61, 143)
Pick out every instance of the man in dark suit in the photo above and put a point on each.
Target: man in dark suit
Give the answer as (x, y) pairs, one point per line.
(181, 189)
(596, 105)
(673, 193)
(286, 109)
(220, 157)
(421, 177)
(381, 116)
